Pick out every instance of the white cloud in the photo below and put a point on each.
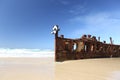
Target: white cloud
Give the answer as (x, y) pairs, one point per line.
(63, 2)
(78, 9)
(25, 53)
(102, 24)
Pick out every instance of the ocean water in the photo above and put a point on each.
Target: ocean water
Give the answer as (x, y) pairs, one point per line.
(26, 64)
(25, 53)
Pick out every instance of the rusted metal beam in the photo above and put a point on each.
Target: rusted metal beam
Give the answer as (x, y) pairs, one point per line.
(85, 47)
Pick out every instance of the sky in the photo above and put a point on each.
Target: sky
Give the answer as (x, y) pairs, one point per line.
(27, 24)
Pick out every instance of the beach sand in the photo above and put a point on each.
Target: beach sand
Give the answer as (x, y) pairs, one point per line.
(88, 69)
(26, 69)
(47, 69)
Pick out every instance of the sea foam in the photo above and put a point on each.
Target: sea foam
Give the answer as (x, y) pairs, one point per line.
(7, 52)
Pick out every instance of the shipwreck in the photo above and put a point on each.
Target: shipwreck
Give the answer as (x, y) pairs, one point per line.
(82, 48)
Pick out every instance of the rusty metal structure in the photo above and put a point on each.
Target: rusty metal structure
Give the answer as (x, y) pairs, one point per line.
(82, 48)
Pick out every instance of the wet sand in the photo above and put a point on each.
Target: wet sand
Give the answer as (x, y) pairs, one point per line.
(88, 69)
(47, 69)
(26, 69)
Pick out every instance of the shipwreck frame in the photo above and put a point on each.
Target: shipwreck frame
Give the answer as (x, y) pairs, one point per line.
(82, 48)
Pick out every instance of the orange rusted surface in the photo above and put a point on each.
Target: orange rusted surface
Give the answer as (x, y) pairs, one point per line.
(82, 48)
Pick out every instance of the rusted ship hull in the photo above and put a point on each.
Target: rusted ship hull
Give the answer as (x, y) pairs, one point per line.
(85, 47)
(70, 49)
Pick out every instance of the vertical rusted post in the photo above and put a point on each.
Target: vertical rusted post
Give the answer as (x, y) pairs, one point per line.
(111, 40)
(56, 36)
(55, 31)
(99, 39)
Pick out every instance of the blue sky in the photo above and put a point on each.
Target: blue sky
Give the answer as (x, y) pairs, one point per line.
(28, 23)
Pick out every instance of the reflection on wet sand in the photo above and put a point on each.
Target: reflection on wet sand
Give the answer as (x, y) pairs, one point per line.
(88, 69)
(47, 69)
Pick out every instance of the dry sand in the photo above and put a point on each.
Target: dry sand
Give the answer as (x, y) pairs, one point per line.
(26, 69)
(47, 69)
(88, 69)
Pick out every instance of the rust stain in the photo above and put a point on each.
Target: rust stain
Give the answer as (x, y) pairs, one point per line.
(82, 48)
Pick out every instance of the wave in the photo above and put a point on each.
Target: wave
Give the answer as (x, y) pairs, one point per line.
(7, 52)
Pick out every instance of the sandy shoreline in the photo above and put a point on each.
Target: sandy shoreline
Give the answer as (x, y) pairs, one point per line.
(88, 69)
(47, 69)
(26, 69)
